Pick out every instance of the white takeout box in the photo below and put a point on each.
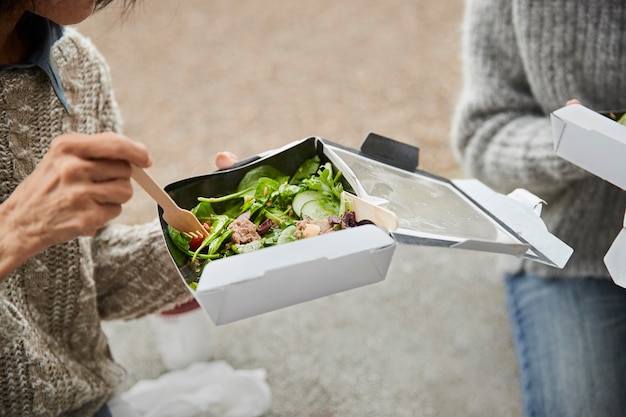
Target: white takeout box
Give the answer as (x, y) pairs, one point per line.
(432, 211)
(597, 144)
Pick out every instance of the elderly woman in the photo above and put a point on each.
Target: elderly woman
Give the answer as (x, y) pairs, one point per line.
(64, 173)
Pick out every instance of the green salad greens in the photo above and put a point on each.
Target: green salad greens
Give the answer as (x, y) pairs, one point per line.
(268, 208)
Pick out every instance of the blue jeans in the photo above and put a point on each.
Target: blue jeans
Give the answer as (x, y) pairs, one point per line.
(570, 338)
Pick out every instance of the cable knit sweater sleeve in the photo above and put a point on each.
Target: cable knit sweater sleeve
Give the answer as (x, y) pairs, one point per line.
(133, 272)
(54, 356)
(501, 130)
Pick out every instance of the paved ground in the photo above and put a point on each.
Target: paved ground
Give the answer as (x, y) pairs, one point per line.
(196, 76)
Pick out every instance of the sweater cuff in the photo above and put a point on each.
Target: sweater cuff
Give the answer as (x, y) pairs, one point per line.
(135, 274)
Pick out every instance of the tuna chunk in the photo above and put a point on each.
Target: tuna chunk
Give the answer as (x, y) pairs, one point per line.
(244, 231)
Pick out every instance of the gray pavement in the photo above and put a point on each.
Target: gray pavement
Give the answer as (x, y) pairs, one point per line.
(194, 77)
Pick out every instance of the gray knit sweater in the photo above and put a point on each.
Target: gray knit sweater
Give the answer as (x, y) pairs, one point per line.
(54, 358)
(522, 60)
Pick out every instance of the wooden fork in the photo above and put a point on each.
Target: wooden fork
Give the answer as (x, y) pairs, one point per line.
(364, 210)
(180, 219)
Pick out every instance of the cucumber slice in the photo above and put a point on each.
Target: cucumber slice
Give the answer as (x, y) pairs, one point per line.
(315, 210)
(301, 199)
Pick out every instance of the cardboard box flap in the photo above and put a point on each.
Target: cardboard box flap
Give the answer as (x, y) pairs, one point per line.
(258, 282)
(522, 220)
(592, 141)
(434, 211)
(390, 152)
(327, 247)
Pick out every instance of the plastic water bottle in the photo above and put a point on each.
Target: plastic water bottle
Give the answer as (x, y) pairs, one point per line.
(183, 335)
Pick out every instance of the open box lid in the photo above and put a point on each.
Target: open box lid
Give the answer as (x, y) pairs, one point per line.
(434, 211)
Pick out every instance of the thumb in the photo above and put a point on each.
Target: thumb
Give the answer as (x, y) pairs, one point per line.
(225, 159)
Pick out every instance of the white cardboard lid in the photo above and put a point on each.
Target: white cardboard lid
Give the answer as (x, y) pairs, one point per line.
(466, 214)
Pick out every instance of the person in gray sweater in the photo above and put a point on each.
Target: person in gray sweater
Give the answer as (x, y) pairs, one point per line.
(522, 60)
(64, 174)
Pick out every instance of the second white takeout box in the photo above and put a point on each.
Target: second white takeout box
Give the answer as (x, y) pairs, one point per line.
(432, 211)
(596, 143)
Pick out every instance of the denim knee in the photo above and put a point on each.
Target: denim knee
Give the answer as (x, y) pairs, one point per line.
(569, 336)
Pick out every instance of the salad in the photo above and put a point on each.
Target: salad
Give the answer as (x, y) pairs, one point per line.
(620, 117)
(268, 208)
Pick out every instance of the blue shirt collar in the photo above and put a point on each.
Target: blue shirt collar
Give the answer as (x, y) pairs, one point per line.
(47, 34)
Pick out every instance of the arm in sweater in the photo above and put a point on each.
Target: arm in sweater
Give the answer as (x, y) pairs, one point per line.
(133, 271)
(500, 132)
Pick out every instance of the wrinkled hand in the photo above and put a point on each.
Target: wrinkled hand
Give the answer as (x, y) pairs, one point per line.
(79, 186)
